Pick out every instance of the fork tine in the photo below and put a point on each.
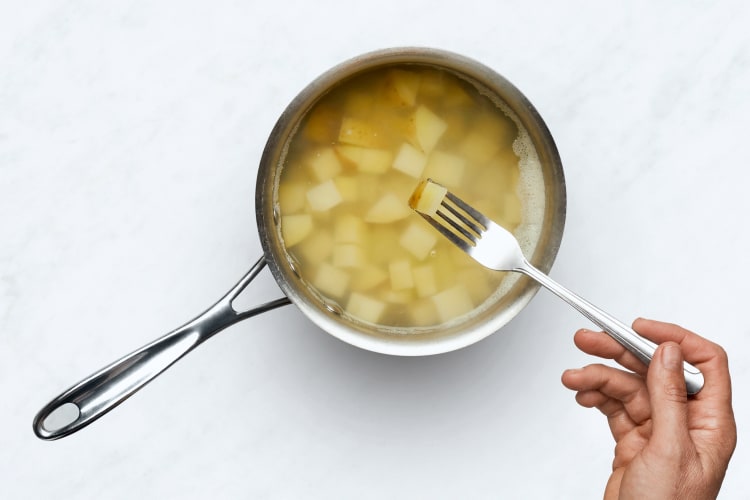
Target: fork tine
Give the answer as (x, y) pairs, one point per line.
(470, 211)
(453, 237)
(468, 234)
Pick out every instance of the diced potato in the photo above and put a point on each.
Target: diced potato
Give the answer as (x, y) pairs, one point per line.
(424, 280)
(489, 135)
(322, 124)
(369, 188)
(348, 182)
(429, 127)
(446, 168)
(501, 173)
(419, 239)
(331, 280)
(382, 245)
(316, 248)
(347, 255)
(295, 228)
(367, 160)
(427, 197)
(452, 303)
(375, 161)
(348, 228)
(292, 197)
(477, 283)
(359, 133)
(401, 275)
(445, 270)
(432, 83)
(367, 277)
(410, 160)
(348, 188)
(479, 147)
(500, 128)
(359, 104)
(397, 296)
(423, 313)
(324, 196)
(324, 164)
(350, 153)
(403, 87)
(456, 95)
(389, 208)
(365, 308)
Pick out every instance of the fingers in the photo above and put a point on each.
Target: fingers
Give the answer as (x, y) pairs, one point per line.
(709, 357)
(619, 395)
(602, 345)
(669, 403)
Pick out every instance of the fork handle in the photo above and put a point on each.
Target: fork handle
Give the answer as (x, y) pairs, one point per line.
(641, 347)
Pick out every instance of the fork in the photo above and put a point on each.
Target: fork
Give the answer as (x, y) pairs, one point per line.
(496, 248)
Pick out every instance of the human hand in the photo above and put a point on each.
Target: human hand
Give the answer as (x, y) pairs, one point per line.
(668, 446)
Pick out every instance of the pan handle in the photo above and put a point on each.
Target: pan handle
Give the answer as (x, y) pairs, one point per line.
(102, 391)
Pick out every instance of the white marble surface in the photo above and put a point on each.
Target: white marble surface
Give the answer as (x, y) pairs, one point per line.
(129, 138)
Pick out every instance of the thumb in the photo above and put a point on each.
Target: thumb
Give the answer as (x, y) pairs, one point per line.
(668, 397)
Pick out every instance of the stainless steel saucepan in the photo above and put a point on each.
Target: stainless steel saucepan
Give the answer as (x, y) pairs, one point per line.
(97, 394)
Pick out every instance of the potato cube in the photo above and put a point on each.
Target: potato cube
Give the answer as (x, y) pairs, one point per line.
(295, 228)
(316, 248)
(427, 197)
(348, 188)
(382, 245)
(410, 160)
(403, 87)
(324, 164)
(322, 124)
(400, 273)
(367, 160)
(445, 168)
(419, 239)
(389, 208)
(500, 129)
(358, 104)
(331, 280)
(432, 83)
(291, 197)
(348, 228)
(324, 196)
(479, 147)
(490, 134)
(369, 188)
(401, 297)
(350, 153)
(365, 308)
(423, 313)
(425, 281)
(429, 127)
(452, 303)
(348, 255)
(367, 277)
(375, 161)
(359, 133)
(477, 283)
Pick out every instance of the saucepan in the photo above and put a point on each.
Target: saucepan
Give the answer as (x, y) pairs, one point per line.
(94, 396)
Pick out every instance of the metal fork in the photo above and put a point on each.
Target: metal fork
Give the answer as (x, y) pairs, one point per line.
(496, 248)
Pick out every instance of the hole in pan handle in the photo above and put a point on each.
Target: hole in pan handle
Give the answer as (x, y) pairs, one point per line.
(97, 394)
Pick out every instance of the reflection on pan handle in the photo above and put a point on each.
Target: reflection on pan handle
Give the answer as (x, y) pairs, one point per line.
(100, 392)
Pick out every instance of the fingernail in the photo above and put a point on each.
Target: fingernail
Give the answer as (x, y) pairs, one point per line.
(672, 358)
